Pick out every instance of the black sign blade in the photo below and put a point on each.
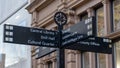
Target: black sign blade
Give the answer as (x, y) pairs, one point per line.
(41, 52)
(97, 44)
(72, 38)
(86, 27)
(29, 36)
(92, 43)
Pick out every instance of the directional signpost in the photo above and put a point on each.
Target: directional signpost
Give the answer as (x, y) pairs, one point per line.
(81, 36)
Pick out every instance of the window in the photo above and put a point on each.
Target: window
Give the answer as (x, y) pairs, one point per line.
(116, 14)
(8, 8)
(83, 16)
(101, 63)
(100, 22)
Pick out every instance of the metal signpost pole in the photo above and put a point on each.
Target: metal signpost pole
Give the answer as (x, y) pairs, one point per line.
(60, 51)
(60, 19)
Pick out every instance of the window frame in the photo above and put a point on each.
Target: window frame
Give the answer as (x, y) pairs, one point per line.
(98, 6)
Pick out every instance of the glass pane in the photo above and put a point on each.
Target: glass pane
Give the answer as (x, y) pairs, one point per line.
(117, 54)
(85, 16)
(49, 64)
(100, 32)
(8, 7)
(100, 22)
(102, 62)
(17, 56)
(116, 14)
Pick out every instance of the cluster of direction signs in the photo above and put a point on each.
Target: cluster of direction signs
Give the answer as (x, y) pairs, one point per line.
(81, 36)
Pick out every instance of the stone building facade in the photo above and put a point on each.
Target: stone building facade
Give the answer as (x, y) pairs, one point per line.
(107, 17)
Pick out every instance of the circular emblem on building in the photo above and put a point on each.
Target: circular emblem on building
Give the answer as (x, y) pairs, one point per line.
(60, 18)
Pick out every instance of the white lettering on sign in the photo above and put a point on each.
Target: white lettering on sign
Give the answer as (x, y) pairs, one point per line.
(35, 31)
(65, 31)
(47, 38)
(89, 43)
(73, 40)
(34, 42)
(83, 42)
(69, 41)
(47, 44)
(94, 43)
(42, 31)
(42, 43)
(48, 32)
(69, 35)
(44, 37)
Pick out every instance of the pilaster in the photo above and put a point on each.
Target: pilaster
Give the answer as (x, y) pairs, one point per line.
(106, 5)
(71, 16)
(78, 59)
(71, 59)
(90, 12)
(44, 65)
(40, 63)
(34, 63)
(109, 61)
(92, 60)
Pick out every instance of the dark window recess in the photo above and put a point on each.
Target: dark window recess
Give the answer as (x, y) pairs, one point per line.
(83, 16)
(49, 64)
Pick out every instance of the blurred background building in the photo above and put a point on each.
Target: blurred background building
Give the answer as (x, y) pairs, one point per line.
(107, 14)
(14, 12)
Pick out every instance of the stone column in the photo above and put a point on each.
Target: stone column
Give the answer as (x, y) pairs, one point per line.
(34, 63)
(34, 18)
(109, 61)
(71, 16)
(78, 59)
(77, 19)
(71, 59)
(45, 65)
(92, 60)
(40, 63)
(90, 12)
(106, 5)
